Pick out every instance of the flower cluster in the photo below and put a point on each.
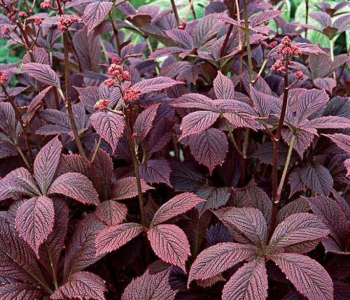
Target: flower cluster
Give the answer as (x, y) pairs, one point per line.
(5, 30)
(66, 21)
(46, 4)
(3, 78)
(299, 75)
(38, 21)
(132, 94)
(102, 104)
(118, 74)
(287, 50)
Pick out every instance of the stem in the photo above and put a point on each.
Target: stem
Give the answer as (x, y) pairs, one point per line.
(190, 8)
(115, 29)
(24, 129)
(331, 50)
(247, 40)
(68, 96)
(54, 277)
(232, 139)
(96, 149)
(276, 198)
(224, 44)
(307, 15)
(238, 12)
(178, 22)
(135, 163)
(260, 71)
(20, 152)
(286, 166)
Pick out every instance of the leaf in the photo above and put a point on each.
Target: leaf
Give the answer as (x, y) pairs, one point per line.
(126, 188)
(144, 122)
(219, 258)
(34, 221)
(249, 222)
(7, 150)
(341, 140)
(183, 178)
(317, 178)
(17, 260)
(156, 171)
(330, 122)
(111, 212)
(155, 84)
(298, 229)
(20, 291)
(42, 73)
(181, 37)
(150, 286)
(81, 251)
(197, 122)
(76, 186)
(306, 274)
(216, 197)
(95, 13)
(248, 283)
(176, 206)
(309, 102)
(109, 126)
(330, 213)
(195, 101)
(50, 251)
(35, 104)
(112, 238)
(45, 164)
(18, 181)
(170, 244)
(81, 285)
(209, 147)
(264, 17)
(223, 87)
(299, 205)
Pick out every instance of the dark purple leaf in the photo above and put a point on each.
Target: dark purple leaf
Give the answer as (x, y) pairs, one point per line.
(197, 122)
(223, 87)
(42, 73)
(95, 13)
(111, 212)
(126, 188)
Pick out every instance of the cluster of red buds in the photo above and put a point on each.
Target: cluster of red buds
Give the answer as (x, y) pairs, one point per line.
(66, 21)
(13, 13)
(132, 94)
(272, 44)
(3, 78)
(287, 50)
(5, 30)
(118, 74)
(299, 75)
(102, 104)
(38, 21)
(46, 4)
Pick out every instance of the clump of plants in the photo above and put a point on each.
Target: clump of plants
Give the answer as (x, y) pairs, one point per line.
(151, 155)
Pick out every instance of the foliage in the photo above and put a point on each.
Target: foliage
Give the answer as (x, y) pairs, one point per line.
(195, 152)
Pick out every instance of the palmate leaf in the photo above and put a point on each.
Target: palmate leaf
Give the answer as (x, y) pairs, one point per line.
(306, 274)
(150, 286)
(18, 181)
(111, 212)
(34, 221)
(76, 186)
(209, 147)
(223, 87)
(155, 84)
(109, 126)
(219, 258)
(341, 140)
(144, 121)
(197, 122)
(249, 222)
(17, 260)
(298, 229)
(126, 188)
(176, 206)
(81, 285)
(248, 283)
(317, 178)
(45, 164)
(170, 244)
(95, 13)
(156, 171)
(330, 213)
(42, 73)
(112, 238)
(20, 291)
(81, 251)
